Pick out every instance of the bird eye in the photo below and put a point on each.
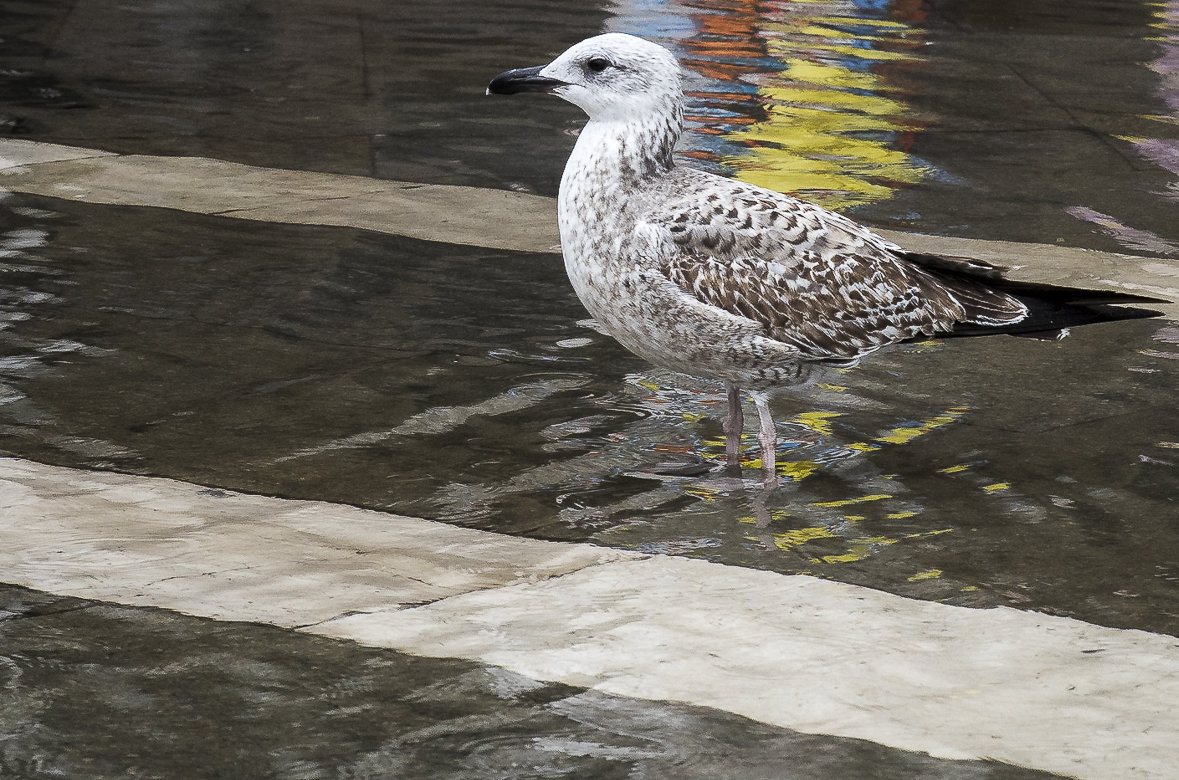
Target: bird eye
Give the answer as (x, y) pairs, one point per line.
(598, 64)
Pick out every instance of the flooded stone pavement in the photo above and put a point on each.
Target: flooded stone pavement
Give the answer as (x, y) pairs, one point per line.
(459, 384)
(199, 348)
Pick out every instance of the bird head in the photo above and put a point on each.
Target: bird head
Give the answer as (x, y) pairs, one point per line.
(612, 77)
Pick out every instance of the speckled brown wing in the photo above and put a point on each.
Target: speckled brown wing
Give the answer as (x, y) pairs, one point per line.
(835, 308)
(728, 219)
(809, 277)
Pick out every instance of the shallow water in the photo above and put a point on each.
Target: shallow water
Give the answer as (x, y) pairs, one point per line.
(461, 384)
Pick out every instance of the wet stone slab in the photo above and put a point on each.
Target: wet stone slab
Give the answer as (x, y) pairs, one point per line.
(241, 557)
(795, 652)
(461, 215)
(823, 657)
(102, 691)
(282, 360)
(468, 216)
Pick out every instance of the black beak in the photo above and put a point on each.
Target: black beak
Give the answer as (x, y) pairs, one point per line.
(522, 80)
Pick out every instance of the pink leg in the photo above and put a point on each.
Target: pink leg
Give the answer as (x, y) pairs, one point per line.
(767, 437)
(733, 425)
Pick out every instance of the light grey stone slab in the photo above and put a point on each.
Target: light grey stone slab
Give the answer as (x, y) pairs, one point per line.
(15, 155)
(157, 542)
(496, 219)
(823, 657)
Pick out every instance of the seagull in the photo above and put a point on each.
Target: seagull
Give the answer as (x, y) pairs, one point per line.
(717, 278)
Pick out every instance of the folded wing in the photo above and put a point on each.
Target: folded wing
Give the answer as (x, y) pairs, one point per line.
(812, 278)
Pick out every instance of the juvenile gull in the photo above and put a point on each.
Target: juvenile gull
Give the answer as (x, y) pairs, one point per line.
(717, 278)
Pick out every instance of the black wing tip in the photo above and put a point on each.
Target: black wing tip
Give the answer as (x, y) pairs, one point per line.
(1083, 296)
(987, 272)
(1080, 297)
(1128, 298)
(1051, 321)
(1135, 313)
(958, 266)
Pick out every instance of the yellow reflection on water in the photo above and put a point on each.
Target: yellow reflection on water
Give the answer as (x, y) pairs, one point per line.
(832, 121)
(817, 112)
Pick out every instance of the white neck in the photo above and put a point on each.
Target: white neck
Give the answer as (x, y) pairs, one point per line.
(639, 148)
(610, 163)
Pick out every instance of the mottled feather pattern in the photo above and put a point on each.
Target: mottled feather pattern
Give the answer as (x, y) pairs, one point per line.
(813, 279)
(728, 217)
(811, 309)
